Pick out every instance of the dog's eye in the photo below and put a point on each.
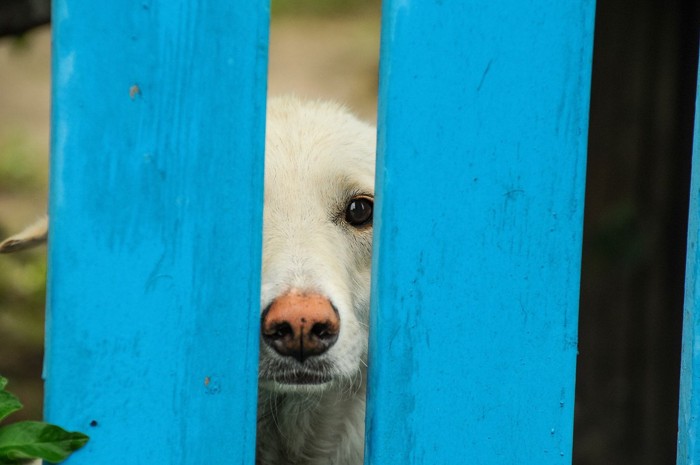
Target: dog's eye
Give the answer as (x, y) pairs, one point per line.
(359, 211)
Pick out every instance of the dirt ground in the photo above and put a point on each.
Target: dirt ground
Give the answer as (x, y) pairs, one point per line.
(311, 56)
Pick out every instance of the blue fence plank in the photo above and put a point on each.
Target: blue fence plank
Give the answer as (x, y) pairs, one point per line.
(689, 405)
(156, 211)
(480, 180)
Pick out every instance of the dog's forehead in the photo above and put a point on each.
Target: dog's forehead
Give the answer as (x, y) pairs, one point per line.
(316, 146)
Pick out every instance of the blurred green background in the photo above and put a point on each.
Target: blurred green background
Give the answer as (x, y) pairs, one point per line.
(642, 105)
(24, 133)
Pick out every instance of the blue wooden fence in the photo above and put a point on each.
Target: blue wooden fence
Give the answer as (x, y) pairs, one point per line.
(156, 202)
(156, 196)
(689, 411)
(480, 175)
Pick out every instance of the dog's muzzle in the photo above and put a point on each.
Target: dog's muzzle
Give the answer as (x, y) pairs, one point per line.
(301, 327)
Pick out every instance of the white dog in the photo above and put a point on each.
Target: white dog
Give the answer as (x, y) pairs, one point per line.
(317, 243)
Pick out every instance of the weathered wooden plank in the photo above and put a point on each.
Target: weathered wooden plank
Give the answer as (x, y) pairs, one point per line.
(156, 208)
(689, 404)
(481, 163)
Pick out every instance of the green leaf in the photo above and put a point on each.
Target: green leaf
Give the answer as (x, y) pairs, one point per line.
(34, 439)
(8, 404)
(3, 383)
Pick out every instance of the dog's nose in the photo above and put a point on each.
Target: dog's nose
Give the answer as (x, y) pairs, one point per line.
(300, 325)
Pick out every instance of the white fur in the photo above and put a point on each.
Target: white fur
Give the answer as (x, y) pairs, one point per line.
(317, 158)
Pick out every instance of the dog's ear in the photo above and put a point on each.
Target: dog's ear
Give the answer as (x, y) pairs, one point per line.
(30, 237)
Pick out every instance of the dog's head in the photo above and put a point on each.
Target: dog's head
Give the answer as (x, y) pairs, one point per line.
(317, 246)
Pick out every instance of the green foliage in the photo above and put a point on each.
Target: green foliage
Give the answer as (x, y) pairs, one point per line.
(8, 403)
(27, 440)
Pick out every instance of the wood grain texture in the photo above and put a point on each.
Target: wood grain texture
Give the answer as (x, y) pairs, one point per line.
(156, 210)
(480, 176)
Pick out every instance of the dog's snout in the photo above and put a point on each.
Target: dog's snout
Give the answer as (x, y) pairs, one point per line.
(300, 325)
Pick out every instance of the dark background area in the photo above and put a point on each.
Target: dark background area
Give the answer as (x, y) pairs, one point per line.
(640, 141)
(642, 107)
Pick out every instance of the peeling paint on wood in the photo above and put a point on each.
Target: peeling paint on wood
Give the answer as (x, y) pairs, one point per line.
(483, 120)
(158, 121)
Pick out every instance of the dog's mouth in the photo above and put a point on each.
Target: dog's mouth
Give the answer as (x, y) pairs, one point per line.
(280, 373)
(304, 378)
